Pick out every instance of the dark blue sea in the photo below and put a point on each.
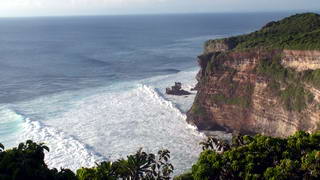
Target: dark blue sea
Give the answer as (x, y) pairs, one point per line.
(92, 88)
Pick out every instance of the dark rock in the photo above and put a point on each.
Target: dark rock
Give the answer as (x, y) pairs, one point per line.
(193, 89)
(177, 90)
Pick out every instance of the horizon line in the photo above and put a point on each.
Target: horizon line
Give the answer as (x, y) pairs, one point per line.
(167, 13)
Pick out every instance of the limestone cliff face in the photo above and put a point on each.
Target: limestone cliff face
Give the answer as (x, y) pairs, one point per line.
(301, 60)
(240, 91)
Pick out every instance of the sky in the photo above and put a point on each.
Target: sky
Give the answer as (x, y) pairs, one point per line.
(113, 7)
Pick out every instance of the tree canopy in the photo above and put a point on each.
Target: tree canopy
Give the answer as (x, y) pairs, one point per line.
(259, 157)
(245, 157)
(300, 31)
(27, 162)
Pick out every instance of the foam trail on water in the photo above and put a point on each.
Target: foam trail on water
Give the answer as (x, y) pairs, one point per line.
(108, 123)
(118, 123)
(168, 104)
(64, 151)
(157, 98)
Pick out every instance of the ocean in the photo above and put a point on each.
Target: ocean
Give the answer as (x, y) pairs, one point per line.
(93, 88)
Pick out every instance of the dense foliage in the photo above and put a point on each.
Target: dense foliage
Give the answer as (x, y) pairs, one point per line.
(246, 157)
(259, 157)
(138, 166)
(27, 162)
(301, 31)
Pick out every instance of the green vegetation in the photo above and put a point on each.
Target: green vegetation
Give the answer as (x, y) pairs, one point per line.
(301, 31)
(138, 166)
(273, 69)
(259, 157)
(198, 109)
(296, 97)
(27, 162)
(288, 84)
(245, 157)
(216, 64)
(312, 77)
(185, 176)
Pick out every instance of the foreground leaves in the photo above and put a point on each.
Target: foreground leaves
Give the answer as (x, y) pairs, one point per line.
(140, 166)
(27, 162)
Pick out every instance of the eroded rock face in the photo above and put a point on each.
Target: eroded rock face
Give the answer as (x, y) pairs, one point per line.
(233, 95)
(301, 60)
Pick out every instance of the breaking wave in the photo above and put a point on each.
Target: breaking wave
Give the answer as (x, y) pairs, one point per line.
(65, 151)
(88, 126)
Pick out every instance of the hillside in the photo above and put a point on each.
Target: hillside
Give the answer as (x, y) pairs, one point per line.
(301, 31)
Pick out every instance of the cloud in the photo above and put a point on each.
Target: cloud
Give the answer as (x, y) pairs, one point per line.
(76, 7)
(71, 7)
(68, 3)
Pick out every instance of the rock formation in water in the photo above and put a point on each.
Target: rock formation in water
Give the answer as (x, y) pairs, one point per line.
(177, 90)
(265, 82)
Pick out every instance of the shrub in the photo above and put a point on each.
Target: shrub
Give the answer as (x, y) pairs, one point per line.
(262, 157)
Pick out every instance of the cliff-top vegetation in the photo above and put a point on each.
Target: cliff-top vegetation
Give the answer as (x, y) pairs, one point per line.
(301, 31)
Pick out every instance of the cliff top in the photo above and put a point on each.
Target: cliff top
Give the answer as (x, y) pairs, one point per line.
(300, 31)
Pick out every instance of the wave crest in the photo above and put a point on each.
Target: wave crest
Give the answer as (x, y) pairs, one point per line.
(65, 151)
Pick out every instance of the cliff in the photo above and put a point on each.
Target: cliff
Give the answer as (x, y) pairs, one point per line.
(265, 82)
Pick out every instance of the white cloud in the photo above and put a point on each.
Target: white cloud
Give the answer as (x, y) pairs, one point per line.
(68, 3)
(75, 7)
(44, 7)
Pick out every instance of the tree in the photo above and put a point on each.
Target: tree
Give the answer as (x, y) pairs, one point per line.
(27, 162)
(261, 157)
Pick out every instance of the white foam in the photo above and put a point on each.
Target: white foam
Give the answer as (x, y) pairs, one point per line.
(118, 123)
(86, 126)
(65, 151)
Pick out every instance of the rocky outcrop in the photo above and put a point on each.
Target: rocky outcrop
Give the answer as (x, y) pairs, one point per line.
(177, 90)
(219, 45)
(240, 91)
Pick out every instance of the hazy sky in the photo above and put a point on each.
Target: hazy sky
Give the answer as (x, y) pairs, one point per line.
(96, 7)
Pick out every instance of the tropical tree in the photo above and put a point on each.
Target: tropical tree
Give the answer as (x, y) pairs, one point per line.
(27, 162)
(259, 157)
(139, 166)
